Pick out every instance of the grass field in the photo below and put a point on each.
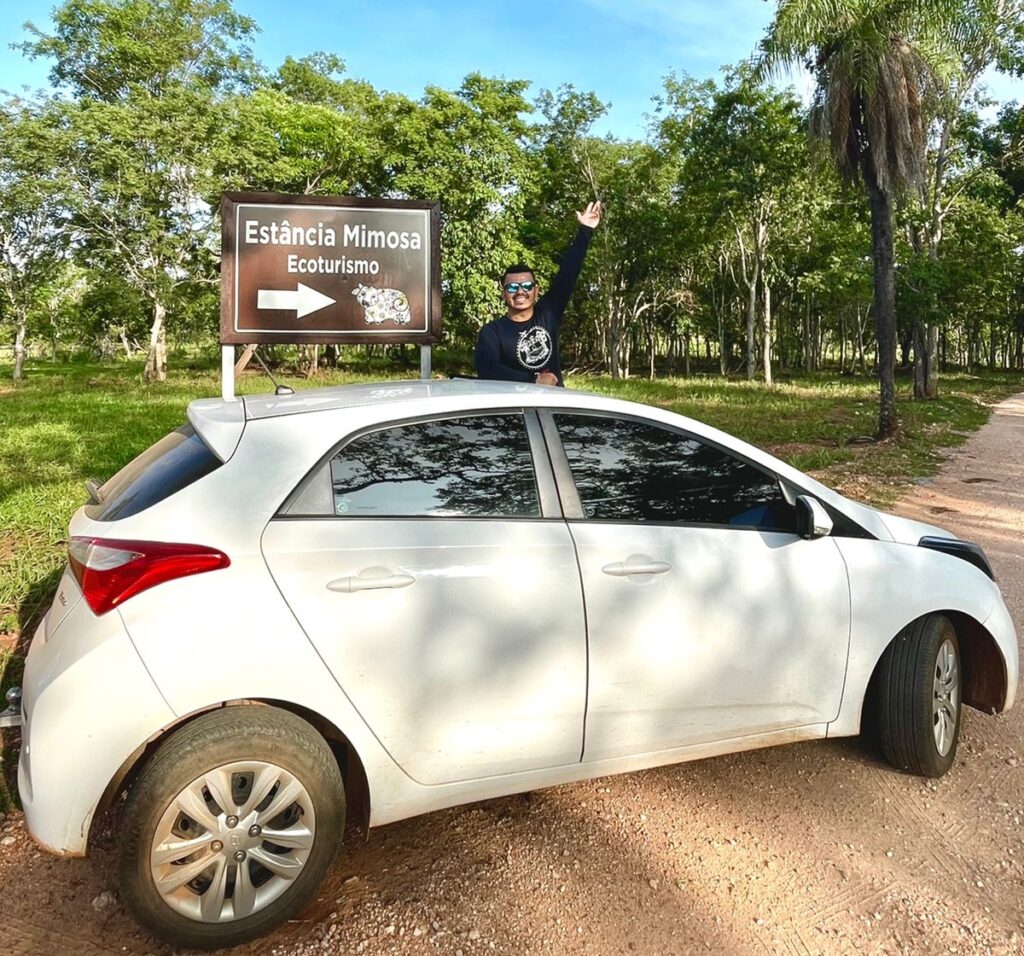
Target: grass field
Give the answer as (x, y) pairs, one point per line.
(66, 423)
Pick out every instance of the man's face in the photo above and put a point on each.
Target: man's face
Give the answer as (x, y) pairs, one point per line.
(520, 300)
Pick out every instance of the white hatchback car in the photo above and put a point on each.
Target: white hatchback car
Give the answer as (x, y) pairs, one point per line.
(439, 592)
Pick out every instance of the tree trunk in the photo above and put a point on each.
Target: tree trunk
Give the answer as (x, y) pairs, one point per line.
(842, 341)
(19, 348)
(931, 382)
(312, 361)
(884, 303)
(751, 310)
(861, 322)
(920, 360)
(808, 353)
(905, 342)
(723, 367)
(926, 370)
(156, 358)
(767, 333)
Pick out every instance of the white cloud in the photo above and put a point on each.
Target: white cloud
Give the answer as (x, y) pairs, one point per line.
(725, 31)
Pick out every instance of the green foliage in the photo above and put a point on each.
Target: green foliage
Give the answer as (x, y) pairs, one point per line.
(161, 107)
(108, 49)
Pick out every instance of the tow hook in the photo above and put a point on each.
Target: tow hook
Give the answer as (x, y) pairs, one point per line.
(12, 716)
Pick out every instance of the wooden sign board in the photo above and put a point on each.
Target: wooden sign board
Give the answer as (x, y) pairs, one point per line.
(318, 269)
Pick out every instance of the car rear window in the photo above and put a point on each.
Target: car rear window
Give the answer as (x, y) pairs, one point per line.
(173, 463)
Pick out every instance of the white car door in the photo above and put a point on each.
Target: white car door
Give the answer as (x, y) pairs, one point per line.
(708, 617)
(428, 563)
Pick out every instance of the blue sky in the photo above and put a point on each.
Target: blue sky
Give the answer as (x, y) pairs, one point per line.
(620, 49)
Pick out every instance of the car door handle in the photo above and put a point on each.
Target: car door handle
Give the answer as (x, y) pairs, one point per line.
(370, 579)
(636, 565)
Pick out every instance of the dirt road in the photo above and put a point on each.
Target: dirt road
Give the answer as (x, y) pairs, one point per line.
(813, 848)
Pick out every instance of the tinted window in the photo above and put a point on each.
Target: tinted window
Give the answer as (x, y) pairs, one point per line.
(632, 471)
(173, 463)
(478, 466)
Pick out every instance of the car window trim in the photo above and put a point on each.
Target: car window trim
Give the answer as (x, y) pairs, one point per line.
(568, 493)
(689, 525)
(573, 507)
(547, 494)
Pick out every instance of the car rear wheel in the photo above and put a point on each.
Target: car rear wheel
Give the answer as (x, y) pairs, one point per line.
(919, 697)
(230, 827)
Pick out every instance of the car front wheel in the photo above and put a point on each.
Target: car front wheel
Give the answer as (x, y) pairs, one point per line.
(919, 697)
(230, 827)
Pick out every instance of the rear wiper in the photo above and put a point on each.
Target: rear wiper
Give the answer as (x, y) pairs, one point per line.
(92, 485)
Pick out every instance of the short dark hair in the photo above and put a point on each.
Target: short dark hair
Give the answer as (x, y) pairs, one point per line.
(516, 267)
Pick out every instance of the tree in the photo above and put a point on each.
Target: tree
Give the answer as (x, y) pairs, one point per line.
(983, 36)
(32, 241)
(742, 158)
(874, 62)
(148, 81)
(304, 130)
(465, 148)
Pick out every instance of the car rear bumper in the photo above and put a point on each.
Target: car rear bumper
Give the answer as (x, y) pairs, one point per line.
(88, 704)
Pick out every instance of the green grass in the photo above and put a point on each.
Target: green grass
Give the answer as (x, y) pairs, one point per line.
(66, 423)
(823, 425)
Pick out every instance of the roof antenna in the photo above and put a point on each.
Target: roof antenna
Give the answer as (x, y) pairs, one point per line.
(278, 389)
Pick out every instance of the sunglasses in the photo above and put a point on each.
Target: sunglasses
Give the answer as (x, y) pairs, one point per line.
(513, 287)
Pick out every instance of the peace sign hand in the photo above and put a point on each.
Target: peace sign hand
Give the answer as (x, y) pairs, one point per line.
(590, 216)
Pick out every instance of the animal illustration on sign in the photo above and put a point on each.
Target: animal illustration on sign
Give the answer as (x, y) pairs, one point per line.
(383, 305)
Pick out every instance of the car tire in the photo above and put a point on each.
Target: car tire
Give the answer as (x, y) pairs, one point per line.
(282, 778)
(919, 697)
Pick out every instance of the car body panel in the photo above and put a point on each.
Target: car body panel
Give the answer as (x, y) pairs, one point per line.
(746, 632)
(477, 666)
(219, 423)
(88, 702)
(893, 584)
(412, 799)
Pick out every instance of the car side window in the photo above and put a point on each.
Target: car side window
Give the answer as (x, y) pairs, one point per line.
(478, 466)
(628, 470)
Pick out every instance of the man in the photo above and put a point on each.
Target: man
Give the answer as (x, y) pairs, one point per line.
(522, 345)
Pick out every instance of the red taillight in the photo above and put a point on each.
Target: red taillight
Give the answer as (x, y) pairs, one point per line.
(111, 571)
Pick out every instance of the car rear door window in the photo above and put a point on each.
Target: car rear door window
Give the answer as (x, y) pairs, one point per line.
(173, 463)
(627, 470)
(478, 466)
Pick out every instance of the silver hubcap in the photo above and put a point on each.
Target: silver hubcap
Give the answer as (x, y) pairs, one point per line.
(945, 697)
(232, 841)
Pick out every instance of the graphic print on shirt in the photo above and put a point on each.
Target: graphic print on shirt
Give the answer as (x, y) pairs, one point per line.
(534, 348)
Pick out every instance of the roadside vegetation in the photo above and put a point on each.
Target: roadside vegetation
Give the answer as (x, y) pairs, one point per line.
(734, 238)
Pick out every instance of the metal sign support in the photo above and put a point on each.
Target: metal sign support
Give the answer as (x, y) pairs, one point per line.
(424, 362)
(227, 372)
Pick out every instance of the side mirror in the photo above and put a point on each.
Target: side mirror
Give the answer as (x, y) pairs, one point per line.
(812, 520)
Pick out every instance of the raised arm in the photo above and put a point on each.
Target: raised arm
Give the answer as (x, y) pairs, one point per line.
(572, 262)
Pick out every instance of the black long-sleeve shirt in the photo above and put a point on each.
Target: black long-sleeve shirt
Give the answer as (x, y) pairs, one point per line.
(517, 351)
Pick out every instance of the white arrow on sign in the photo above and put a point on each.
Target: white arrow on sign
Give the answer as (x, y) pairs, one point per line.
(303, 300)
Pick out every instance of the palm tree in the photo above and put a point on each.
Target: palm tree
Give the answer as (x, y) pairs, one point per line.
(874, 63)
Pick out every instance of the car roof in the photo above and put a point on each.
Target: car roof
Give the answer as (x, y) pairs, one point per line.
(384, 393)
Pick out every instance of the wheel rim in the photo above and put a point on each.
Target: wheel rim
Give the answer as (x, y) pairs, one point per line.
(945, 697)
(233, 841)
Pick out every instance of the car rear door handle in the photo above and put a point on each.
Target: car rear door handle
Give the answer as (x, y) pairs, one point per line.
(370, 579)
(636, 564)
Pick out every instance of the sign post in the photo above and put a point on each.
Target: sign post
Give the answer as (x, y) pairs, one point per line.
(319, 270)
